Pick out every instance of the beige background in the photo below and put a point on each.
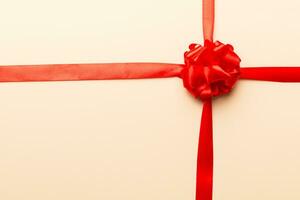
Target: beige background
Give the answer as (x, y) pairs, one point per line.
(137, 139)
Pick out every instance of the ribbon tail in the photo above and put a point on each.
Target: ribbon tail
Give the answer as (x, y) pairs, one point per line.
(276, 74)
(76, 72)
(204, 183)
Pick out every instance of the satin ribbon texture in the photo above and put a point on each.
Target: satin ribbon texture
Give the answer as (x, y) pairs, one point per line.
(208, 71)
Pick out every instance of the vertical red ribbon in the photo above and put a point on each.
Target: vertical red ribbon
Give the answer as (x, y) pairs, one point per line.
(208, 19)
(204, 180)
(205, 155)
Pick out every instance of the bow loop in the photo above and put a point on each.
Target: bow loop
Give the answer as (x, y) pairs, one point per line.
(210, 70)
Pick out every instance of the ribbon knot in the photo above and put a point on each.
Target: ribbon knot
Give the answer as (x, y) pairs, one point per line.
(210, 70)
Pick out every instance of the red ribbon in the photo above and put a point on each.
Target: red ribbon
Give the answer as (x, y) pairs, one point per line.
(209, 70)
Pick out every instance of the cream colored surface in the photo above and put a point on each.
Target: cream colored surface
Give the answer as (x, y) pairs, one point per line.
(138, 139)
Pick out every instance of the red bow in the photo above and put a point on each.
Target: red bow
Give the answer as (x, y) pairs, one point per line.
(210, 70)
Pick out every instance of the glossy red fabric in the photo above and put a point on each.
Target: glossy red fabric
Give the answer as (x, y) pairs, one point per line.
(206, 74)
(76, 72)
(204, 180)
(278, 74)
(210, 70)
(208, 19)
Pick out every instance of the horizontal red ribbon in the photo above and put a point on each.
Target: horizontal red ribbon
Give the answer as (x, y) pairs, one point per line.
(76, 72)
(110, 71)
(277, 74)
